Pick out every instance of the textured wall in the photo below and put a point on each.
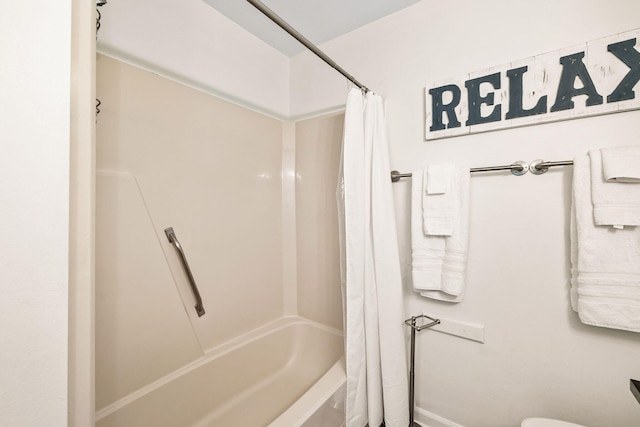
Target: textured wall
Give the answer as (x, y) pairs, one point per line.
(34, 217)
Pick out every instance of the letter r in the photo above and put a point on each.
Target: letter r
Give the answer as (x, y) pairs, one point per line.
(439, 108)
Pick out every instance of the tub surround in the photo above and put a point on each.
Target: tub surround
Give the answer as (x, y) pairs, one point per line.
(166, 164)
(163, 164)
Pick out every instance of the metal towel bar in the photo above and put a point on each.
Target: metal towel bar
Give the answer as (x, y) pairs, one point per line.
(537, 167)
(171, 235)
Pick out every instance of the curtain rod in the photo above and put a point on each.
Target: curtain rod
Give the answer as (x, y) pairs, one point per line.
(313, 48)
(537, 167)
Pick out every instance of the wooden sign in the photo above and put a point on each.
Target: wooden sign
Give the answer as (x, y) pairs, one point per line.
(590, 79)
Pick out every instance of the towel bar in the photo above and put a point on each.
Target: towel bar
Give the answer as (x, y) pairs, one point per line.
(519, 168)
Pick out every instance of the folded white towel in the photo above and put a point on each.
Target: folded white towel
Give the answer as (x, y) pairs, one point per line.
(621, 164)
(439, 178)
(605, 262)
(438, 196)
(614, 203)
(439, 262)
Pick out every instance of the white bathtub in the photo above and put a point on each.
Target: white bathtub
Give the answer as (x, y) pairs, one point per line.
(277, 378)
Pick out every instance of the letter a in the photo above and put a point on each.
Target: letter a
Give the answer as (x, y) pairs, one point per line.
(572, 67)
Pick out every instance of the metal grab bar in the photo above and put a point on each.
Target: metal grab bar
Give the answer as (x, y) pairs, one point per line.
(171, 235)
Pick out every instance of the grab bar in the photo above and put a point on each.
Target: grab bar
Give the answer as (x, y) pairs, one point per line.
(171, 235)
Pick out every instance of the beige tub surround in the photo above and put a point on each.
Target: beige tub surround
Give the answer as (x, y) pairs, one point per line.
(251, 199)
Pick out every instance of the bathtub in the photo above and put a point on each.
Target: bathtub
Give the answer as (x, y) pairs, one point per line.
(279, 376)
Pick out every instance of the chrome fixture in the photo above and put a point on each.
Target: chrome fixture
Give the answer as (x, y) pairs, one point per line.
(413, 323)
(538, 167)
(171, 235)
(519, 168)
(305, 42)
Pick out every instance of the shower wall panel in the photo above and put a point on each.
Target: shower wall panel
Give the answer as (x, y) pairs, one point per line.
(318, 146)
(142, 331)
(211, 170)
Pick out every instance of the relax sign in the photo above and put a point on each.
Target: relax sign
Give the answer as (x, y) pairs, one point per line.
(598, 77)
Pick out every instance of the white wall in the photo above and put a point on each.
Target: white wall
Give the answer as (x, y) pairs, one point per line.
(191, 42)
(35, 42)
(538, 359)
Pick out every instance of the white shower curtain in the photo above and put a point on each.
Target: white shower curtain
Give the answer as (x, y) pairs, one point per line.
(375, 351)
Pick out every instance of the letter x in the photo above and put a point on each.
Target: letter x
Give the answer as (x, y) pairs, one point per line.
(626, 53)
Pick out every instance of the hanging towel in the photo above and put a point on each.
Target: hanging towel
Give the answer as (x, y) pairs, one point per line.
(427, 252)
(573, 255)
(621, 164)
(439, 262)
(438, 200)
(605, 262)
(614, 203)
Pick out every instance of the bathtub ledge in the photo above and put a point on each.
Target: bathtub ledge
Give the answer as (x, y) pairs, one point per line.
(314, 398)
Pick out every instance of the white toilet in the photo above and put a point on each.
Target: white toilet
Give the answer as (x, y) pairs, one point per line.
(547, 422)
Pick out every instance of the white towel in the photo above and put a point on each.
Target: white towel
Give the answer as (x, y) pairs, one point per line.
(605, 262)
(439, 262)
(438, 200)
(614, 203)
(439, 178)
(621, 164)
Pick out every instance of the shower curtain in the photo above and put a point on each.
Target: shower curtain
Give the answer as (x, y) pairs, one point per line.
(375, 351)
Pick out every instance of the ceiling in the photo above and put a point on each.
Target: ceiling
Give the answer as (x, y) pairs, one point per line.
(317, 20)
